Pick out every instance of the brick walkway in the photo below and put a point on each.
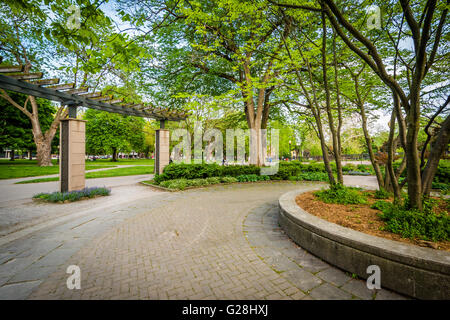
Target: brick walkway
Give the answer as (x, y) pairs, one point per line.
(215, 243)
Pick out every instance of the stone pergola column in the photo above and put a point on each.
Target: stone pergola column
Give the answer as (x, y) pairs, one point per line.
(162, 148)
(72, 153)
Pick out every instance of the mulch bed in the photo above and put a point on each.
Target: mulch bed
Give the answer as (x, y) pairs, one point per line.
(358, 217)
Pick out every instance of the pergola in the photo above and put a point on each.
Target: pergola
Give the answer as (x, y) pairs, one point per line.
(72, 130)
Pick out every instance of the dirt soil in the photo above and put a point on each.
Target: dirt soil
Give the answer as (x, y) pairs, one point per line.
(359, 217)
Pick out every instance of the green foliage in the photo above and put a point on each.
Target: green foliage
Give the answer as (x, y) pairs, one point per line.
(15, 126)
(310, 176)
(443, 187)
(73, 195)
(181, 184)
(228, 179)
(201, 171)
(443, 172)
(413, 223)
(287, 169)
(342, 195)
(381, 205)
(252, 178)
(108, 132)
(381, 194)
(292, 170)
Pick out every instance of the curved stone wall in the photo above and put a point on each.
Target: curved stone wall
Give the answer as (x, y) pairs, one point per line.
(418, 272)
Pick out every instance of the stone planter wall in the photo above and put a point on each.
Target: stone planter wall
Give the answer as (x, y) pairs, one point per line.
(418, 272)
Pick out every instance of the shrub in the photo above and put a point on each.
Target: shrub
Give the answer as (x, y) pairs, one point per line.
(73, 195)
(358, 173)
(341, 195)
(443, 172)
(287, 169)
(381, 194)
(252, 178)
(181, 184)
(311, 176)
(381, 205)
(365, 168)
(440, 186)
(348, 167)
(228, 179)
(213, 180)
(424, 224)
(201, 171)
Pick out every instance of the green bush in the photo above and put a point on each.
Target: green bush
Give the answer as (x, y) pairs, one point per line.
(443, 172)
(381, 194)
(310, 176)
(348, 167)
(228, 179)
(444, 187)
(342, 195)
(413, 223)
(202, 171)
(285, 171)
(252, 178)
(73, 195)
(181, 184)
(213, 180)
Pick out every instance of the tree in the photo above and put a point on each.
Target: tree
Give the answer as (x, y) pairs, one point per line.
(112, 133)
(426, 33)
(425, 21)
(15, 127)
(34, 39)
(235, 41)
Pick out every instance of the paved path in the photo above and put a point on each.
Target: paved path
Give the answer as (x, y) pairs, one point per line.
(221, 242)
(13, 192)
(18, 210)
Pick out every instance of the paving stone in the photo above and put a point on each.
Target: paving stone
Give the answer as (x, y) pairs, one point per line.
(221, 242)
(359, 289)
(302, 279)
(329, 292)
(32, 273)
(334, 276)
(18, 290)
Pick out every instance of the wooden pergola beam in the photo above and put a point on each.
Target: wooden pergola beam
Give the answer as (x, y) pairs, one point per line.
(64, 86)
(10, 69)
(27, 76)
(68, 98)
(44, 82)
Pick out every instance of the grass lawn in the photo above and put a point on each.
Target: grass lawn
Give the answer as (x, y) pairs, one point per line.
(21, 171)
(120, 162)
(118, 172)
(28, 168)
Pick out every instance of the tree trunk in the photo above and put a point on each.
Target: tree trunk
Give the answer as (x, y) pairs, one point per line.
(43, 153)
(368, 139)
(323, 146)
(412, 153)
(11, 155)
(393, 183)
(336, 151)
(114, 158)
(437, 150)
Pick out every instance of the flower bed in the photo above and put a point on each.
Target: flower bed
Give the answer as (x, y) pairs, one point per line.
(62, 197)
